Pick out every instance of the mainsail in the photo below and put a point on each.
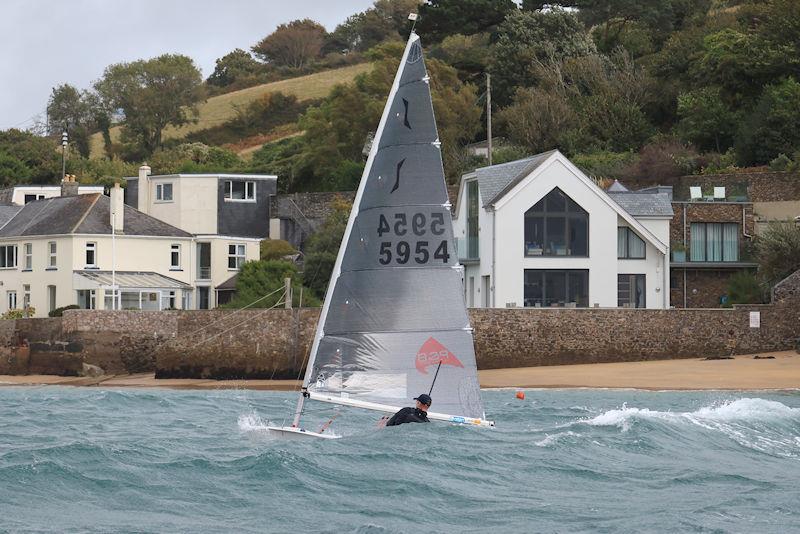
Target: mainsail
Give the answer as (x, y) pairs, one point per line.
(394, 313)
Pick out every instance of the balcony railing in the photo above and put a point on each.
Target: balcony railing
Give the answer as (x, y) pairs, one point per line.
(204, 273)
(467, 249)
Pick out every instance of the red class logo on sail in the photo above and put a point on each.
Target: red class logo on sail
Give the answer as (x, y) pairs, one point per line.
(431, 353)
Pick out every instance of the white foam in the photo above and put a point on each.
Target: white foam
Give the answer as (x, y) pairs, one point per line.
(552, 438)
(252, 422)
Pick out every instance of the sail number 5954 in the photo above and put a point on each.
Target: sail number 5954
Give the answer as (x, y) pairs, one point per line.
(411, 248)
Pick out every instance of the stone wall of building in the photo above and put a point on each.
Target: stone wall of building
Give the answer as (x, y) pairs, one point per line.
(711, 212)
(302, 213)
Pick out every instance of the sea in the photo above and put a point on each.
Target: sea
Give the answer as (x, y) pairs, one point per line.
(157, 460)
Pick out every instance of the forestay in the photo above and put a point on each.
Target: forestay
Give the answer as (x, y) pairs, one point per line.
(395, 305)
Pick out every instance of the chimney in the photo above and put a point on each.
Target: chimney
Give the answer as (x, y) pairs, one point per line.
(144, 189)
(69, 187)
(117, 209)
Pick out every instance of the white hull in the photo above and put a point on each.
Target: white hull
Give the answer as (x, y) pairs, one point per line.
(291, 432)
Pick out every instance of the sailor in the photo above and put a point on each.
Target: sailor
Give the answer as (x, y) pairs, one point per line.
(418, 414)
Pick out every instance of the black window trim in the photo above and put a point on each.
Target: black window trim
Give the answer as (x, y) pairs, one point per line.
(567, 214)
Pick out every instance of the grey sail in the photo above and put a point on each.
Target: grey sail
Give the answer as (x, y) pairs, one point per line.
(394, 310)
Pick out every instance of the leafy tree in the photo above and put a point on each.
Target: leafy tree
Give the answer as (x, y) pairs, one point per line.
(323, 246)
(29, 158)
(539, 120)
(70, 110)
(152, 94)
(469, 54)
(773, 127)
(294, 44)
(706, 120)
(260, 278)
(385, 20)
(276, 249)
(744, 288)
(440, 18)
(234, 67)
(528, 38)
(778, 252)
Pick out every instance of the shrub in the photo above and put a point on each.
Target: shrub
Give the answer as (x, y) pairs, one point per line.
(744, 288)
(276, 249)
(16, 313)
(58, 312)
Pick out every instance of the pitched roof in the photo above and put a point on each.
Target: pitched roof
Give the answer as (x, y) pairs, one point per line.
(497, 180)
(643, 204)
(7, 213)
(132, 279)
(229, 284)
(82, 214)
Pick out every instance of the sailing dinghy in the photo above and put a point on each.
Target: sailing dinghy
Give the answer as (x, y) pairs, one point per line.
(394, 318)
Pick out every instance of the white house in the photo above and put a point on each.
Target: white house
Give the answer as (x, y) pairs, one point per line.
(538, 232)
(74, 249)
(228, 214)
(19, 195)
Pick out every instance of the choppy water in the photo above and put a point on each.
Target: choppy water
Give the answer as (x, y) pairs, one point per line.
(93, 460)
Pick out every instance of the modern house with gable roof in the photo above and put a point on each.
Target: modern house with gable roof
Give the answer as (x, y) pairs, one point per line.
(537, 232)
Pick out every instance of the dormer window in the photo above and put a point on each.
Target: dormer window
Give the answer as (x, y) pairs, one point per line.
(556, 226)
(240, 190)
(164, 192)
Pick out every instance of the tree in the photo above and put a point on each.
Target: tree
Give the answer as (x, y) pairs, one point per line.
(25, 157)
(773, 127)
(440, 18)
(385, 20)
(778, 252)
(744, 288)
(70, 110)
(706, 120)
(468, 53)
(323, 246)
(276, 249)
(257, 279)
(294, 44)
(233, 67)
(527, 38)
(151, 95)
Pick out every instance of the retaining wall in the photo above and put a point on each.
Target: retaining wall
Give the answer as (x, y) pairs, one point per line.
(274, 343)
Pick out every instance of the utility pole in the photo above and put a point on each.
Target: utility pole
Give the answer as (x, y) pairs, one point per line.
(64, 143)
(489, 115)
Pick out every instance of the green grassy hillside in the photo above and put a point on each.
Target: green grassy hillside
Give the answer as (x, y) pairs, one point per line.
(220, 109)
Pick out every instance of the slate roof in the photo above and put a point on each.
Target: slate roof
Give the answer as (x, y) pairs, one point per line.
(617, 187)
(7, 213)
(82, 214)
(643, 204)
(497, 180)
(229, 284)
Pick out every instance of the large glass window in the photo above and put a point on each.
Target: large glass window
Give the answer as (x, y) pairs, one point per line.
(472, 219)
(630, 291)
(556, 226)
(556, 288)
(629, 245)
(714, 242)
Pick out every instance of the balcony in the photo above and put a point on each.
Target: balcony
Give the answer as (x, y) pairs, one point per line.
(467, 250)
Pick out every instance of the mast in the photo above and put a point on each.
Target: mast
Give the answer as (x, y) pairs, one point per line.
(337, 267)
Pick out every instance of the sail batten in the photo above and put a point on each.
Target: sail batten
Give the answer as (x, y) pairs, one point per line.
(394, 310)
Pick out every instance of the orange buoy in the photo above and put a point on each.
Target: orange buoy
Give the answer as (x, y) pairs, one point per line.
(521, 395)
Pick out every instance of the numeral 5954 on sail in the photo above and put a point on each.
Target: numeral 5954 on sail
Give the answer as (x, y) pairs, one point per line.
(412, 249)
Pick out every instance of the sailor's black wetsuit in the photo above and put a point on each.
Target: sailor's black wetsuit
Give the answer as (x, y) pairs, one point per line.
(408, 415)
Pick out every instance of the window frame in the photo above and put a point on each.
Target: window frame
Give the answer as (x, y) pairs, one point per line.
(160, 192)
(249, 191)
(27, 252)
(628, 233)
(9, 294)
(707, 242)
(636, 277)
(566, 273)
(52, 255)
(4, 256)
(238, 259)
(175, 248)
(90, 246)
(567, 215)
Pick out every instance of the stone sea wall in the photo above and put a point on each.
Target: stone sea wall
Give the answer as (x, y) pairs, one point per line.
(275, 343)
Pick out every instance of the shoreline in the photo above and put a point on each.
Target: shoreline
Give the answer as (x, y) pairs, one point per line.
(782, 372)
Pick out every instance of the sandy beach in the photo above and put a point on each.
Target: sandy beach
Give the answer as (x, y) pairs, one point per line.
(782, 371)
